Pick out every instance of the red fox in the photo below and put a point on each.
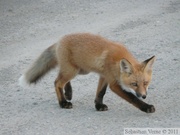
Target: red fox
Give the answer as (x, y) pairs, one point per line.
(82, 53)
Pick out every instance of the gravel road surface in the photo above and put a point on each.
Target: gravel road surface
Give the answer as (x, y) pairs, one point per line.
(146, 27)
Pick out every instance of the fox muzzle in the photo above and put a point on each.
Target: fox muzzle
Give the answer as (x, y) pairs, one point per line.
(141, 95)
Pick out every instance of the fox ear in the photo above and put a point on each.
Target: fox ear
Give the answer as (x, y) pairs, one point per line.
(126, 66)
(148, 64)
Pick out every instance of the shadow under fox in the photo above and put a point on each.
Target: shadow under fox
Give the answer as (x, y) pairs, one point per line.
(83, 53)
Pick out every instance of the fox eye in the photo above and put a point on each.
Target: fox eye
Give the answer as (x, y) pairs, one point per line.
(145, 83)
(134, 84)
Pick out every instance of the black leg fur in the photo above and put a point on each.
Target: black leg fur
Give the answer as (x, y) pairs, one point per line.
(99, 100)
(68, 91)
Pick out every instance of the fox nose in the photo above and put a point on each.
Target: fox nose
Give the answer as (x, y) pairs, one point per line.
(140, 95)
(143, 96)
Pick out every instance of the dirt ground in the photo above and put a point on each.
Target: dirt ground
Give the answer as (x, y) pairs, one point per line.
(146, 27)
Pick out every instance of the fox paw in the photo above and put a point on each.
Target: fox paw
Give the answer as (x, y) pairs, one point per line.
(101, 107)
(65, 104)
(148, 108)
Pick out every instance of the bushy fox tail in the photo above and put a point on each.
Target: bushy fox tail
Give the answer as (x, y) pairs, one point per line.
(46, 61)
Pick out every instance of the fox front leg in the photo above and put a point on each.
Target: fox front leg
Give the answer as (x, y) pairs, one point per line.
(101, 90)
(132, 99)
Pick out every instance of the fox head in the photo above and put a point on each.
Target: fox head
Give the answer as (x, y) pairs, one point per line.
(136, 78)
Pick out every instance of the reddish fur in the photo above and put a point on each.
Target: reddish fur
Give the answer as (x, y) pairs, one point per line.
(81, 50)
(83, 53)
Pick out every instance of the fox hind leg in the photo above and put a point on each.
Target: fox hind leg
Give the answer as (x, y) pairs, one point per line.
(61, 81)
(68, 91)
(101, 90)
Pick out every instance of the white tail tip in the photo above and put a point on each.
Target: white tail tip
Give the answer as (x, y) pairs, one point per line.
(22, 81)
